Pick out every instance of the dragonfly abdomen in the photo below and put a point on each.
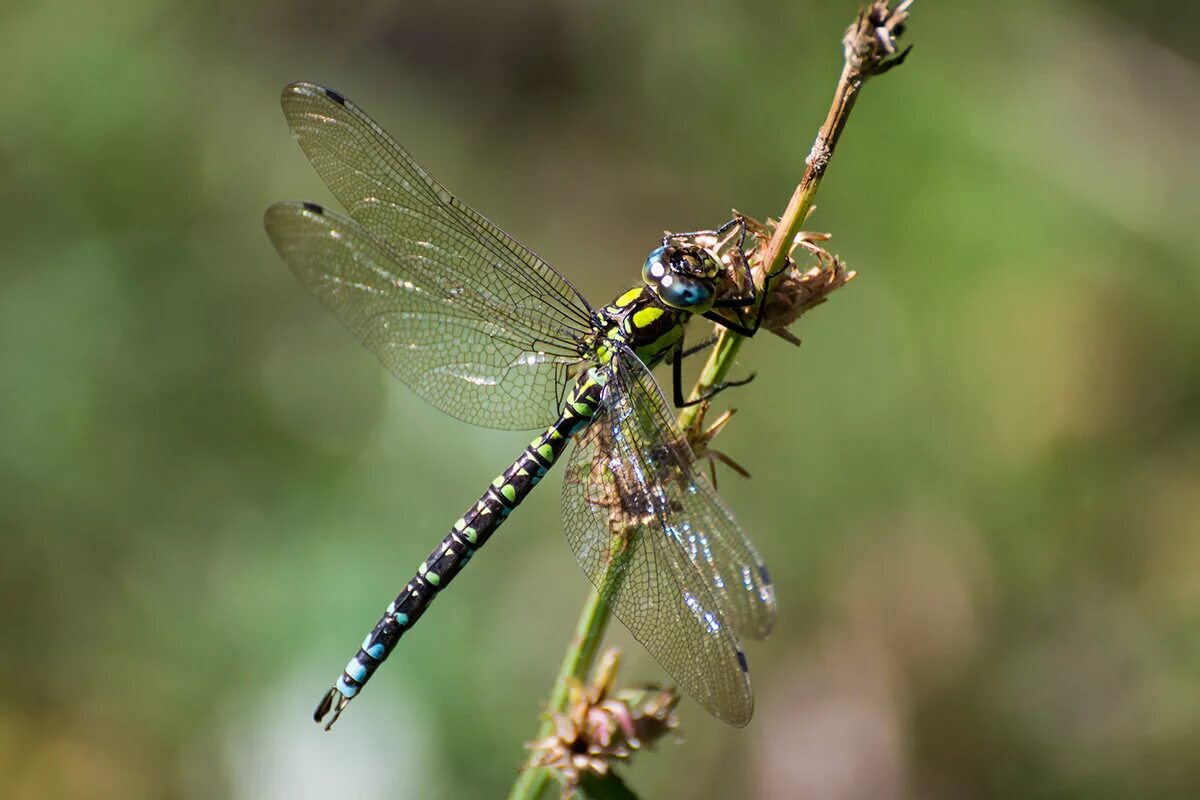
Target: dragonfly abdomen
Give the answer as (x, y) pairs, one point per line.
(468, 534)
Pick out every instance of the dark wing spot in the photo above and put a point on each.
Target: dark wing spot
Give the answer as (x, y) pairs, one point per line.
(314, 208)
(335, 96)
(742, 661)
(762, 573)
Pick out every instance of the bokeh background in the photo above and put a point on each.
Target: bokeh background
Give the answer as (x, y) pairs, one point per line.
(977, 483)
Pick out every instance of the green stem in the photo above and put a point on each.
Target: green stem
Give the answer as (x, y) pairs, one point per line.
(715, 369)
(581, 653)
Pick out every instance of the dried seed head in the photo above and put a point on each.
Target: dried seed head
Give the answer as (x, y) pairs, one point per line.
(795, 291)
(600, 726)
(870, 42)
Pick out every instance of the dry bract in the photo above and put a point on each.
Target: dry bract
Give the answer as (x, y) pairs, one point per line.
(794, 291)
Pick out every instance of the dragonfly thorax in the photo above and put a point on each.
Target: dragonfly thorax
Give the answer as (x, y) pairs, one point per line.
(683, 277)
(640, 320)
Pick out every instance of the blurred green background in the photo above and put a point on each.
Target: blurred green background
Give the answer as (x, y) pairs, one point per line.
(977, 483)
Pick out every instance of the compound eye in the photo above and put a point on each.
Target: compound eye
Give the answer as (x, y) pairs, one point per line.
(679, 291)
(656, 266)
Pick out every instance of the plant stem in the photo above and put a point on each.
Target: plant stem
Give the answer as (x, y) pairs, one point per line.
(729, 343)
(868, 46)
(577, 662)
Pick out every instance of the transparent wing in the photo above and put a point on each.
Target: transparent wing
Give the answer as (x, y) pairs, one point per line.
(401, 206)
(487, 371)
(656, 540)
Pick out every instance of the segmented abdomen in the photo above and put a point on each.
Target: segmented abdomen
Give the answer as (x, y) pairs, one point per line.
(468, 534)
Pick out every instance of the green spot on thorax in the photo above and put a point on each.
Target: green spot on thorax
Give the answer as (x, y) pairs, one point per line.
(629, 297)
(645, 317)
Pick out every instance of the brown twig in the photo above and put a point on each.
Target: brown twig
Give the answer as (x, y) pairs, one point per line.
(869, 46)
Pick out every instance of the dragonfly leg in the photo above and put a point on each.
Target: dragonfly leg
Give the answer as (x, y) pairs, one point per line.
(739, 328)
(715, 390)
(747, 276)
(677, 380)
(753, 298)
(719, 232)
(697, 348)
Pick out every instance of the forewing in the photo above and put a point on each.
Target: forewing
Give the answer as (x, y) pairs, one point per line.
(402, 206)
(485, 371)
(651, 534)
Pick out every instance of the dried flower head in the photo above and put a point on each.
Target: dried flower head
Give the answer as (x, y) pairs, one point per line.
(600, 726)
(870, 42)
(795, 291)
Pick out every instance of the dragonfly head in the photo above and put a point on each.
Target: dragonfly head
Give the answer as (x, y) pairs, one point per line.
(683, 276)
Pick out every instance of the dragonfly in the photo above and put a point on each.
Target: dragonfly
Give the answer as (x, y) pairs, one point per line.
(482, 328)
